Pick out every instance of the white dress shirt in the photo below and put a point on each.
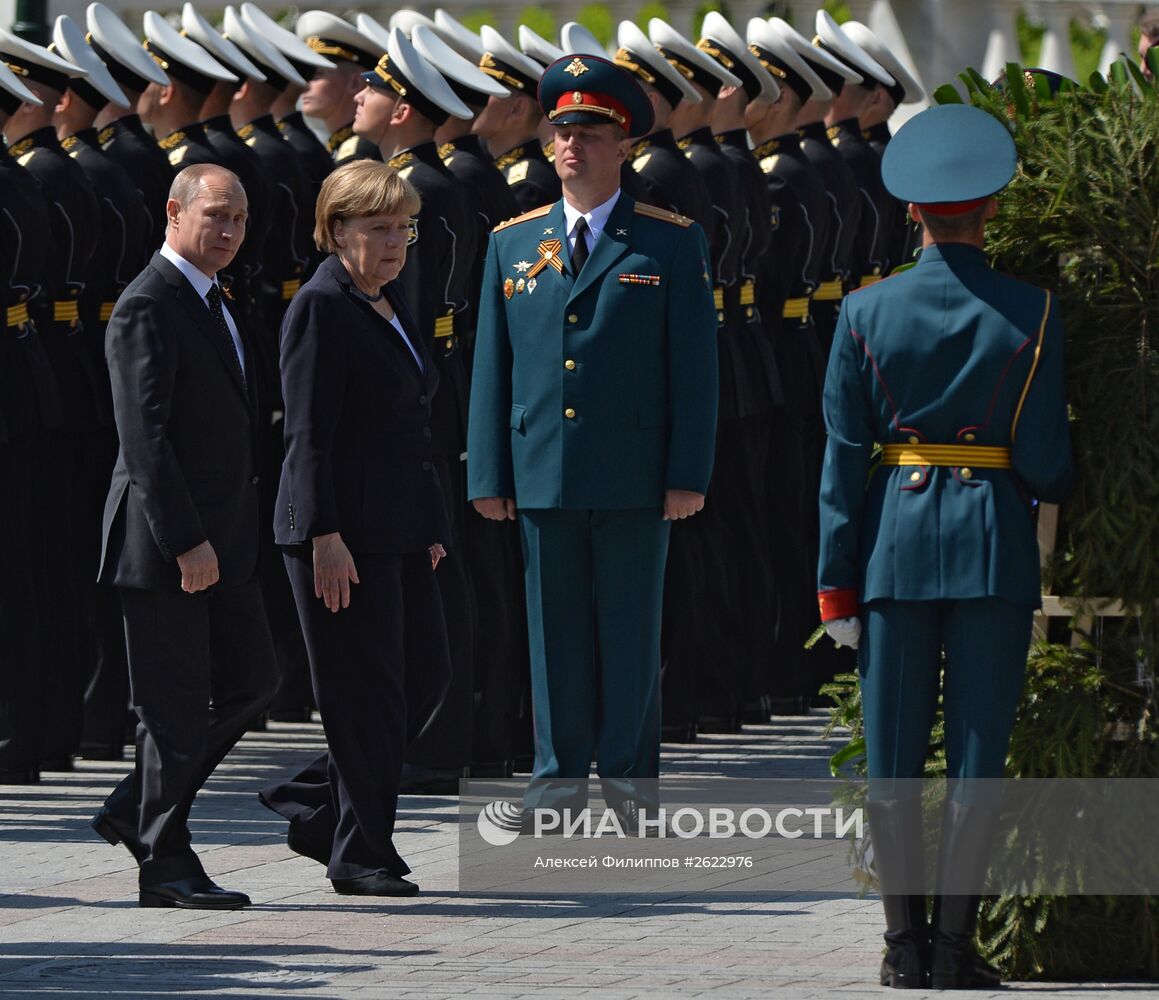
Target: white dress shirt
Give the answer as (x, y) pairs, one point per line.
(202, 283)
(397, 324)
(597, 218)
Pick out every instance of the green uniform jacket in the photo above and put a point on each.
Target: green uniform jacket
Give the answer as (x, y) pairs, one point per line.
(601, 392)
(949, 352)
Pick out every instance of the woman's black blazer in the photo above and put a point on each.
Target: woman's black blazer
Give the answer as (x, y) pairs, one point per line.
(359, 458)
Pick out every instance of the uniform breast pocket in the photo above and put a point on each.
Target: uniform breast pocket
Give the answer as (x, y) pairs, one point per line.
(517, 418)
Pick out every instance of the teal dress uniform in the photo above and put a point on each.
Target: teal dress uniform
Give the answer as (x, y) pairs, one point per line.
(590, 397)
(957, 372)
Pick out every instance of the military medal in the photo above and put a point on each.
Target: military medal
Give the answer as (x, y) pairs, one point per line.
(520, 285)
(508, 288)
(522, 266)
(640, 279)
(551, 255)
(531, 286)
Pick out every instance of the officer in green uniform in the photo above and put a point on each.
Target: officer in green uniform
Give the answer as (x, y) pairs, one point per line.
(593, 413)
(957, 371)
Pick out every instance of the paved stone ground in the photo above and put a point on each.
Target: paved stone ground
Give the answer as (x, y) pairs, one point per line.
(70, 926)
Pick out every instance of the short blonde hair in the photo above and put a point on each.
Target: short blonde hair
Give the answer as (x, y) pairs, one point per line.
(358, 189)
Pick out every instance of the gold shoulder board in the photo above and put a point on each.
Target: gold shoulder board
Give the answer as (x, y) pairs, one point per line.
(663, 215)
(535, 213)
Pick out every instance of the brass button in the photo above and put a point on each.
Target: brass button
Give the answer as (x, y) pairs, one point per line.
(965, 473)
(572, 318)
(969, 437)
(569, 365)
(914, 477)
(569, 413)
(913, 439)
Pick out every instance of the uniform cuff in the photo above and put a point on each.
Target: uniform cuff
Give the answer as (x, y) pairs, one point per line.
(837, 604)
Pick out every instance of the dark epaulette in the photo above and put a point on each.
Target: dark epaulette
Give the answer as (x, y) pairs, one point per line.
(535, 213)
(663, 215)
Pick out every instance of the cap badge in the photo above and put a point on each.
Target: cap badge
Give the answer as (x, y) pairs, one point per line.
(575, 68)
(577, 97)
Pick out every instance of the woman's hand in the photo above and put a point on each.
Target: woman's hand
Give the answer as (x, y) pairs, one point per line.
(437, 553)
(334, 571)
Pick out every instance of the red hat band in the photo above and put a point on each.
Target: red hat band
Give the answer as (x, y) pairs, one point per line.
(600, 104)
(954, 207)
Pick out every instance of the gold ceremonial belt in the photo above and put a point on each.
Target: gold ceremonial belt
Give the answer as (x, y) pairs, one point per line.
(829, 291)
(869, 279)
(796, 308)
(445, 325)
(290, 288)
(748, 294)
(65, 311)
(17, 315)
(970, 455)
(718, 298)
(107, 311)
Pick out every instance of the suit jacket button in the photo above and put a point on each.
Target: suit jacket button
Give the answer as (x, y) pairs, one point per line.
(422, 400)
(965, 474)
(569, 413)
(573, 318)
(255, 480)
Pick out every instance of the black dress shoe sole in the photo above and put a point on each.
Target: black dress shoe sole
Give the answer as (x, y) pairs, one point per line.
(351, 887)
(19, 777)
(151, 900)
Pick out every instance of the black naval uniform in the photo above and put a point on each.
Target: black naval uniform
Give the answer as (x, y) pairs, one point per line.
(436, 285)
(794, 265)
(74, 222)
(494, 560)
(30, 406)
(345, 146)
(872, 249)
(669, 180)
(130, 147)
(315, 158)
(701, 629)
(905, 234)
(532, 179)
(126, 243)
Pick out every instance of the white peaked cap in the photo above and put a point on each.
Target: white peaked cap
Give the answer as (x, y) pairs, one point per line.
(811, 53)
(663, 35)
(840, 44)
(576, 40)
(536, 47)
(117, 41)
(222, 49)
(864, 38)
(458, 36)
(423, 76)
(159, 32)
(284, 40)
(717, 30)
(251, 42)
(10, 82)
(630, 37)
(764, 35)
(69, 41)
(452, 65)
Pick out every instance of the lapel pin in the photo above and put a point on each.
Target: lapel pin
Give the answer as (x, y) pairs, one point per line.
(508, 288)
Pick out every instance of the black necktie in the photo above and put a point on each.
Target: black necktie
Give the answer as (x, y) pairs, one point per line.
(213, 297)
(579, 253)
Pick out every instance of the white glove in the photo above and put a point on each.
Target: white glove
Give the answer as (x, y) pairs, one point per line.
(844, 631)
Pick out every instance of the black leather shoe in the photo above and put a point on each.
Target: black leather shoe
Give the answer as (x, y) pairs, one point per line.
(630, 814)
(16, 777)
(303, 714)
(299, 843)
(62, 764)
(678, 732)
(718, 724)
(198, 893)
(116, 831)
(378, 884)
(957, 966)
(101, 751)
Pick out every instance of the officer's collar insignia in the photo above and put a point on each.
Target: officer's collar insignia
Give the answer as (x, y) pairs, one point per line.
(523, 266)
(551, 250)
(105, 135)
(512, 156)
(684, 143)
(22, 147)
(549, 230)
(446, 149)
(246, 131)
(833, 131)
(69, 143)
(172, 141)
(765, 148)
(639, 148)
(621, 232)
(400, 161)
(576, 67)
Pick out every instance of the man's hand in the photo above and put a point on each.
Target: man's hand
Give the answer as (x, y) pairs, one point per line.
(496, 508)
(679, 504)
(334, 571)
(437, 553)
(199, 569)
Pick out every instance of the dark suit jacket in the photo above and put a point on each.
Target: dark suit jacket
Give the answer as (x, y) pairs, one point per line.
(359, 454)
(187, 466)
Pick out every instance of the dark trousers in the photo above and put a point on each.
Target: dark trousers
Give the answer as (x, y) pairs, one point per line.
(985, 642)
(201, 666)
(380, 668)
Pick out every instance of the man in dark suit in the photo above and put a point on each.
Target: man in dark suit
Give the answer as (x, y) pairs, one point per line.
(180, 534)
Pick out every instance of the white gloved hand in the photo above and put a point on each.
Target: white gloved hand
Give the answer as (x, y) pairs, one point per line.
(844, 631)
